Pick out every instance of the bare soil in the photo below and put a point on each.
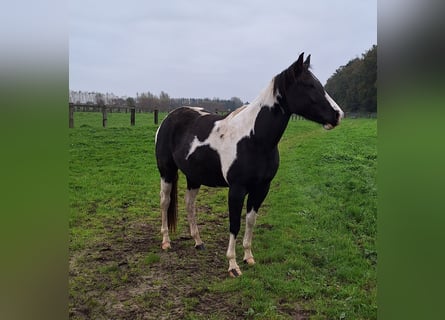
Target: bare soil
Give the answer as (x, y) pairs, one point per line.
(127, 275)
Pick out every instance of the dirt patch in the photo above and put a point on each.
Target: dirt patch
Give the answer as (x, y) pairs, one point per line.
(128, 276)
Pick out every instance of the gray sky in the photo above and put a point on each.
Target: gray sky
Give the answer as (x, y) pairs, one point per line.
(205, 48)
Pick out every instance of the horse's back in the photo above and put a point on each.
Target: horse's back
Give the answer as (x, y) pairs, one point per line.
(183, 122)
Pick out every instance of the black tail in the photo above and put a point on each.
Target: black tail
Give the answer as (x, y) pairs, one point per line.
(172, 212)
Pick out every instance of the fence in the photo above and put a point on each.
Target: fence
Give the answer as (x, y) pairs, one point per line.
(78, 107)
(356, 115)
(104, 109)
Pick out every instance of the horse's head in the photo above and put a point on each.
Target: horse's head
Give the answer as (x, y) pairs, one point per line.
(300, 92)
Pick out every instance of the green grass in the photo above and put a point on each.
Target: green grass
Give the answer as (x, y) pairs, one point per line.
(112, 172)
(314, 242)
(319, 247)
(152, 258)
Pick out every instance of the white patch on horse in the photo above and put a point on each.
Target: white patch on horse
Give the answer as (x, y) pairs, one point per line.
(334, 105)
(226, 133)
(201, 111)
(267, 98)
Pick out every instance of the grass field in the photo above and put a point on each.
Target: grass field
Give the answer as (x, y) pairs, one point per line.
(314, 242)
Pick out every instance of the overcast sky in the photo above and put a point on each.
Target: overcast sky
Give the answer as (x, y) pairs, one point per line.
(205, 48)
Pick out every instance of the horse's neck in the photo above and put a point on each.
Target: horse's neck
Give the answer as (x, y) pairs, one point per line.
(264, 118)
(270, 125)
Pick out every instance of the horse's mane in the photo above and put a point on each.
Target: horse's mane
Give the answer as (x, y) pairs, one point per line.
(238, 110)
(280, 82)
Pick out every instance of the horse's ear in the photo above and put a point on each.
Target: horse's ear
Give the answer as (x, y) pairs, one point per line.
(290, 75)
(307, 62)
(295, 69)
(298, 65)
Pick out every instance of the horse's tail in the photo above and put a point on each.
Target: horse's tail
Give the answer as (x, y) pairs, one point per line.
(172, 212)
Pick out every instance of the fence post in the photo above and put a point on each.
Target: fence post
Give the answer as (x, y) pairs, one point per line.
(156, 116)
(104, 116)
(71, 115)
(133, 115)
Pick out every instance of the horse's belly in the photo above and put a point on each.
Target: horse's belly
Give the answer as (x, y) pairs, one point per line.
(203, 166)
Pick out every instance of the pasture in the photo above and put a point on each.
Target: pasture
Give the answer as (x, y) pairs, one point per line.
(314, 241)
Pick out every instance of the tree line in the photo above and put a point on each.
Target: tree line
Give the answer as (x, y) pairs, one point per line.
(354, 85)
(148, 101)
(163, 102)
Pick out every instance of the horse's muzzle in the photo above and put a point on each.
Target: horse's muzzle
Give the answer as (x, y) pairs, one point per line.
(329, 126)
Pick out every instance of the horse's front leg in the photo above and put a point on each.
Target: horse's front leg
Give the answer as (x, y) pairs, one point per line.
(236, 200)
(254, 201)
(247, 241)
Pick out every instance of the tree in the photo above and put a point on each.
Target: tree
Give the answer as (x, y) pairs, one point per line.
(100, 99)
(147, 101)
(130, 102)
(354, 85)
(164, 101)
(236, 103)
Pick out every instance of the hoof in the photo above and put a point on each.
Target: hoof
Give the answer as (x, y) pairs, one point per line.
(166, 245)
(250, 261)
(200, 247)
(234, 273)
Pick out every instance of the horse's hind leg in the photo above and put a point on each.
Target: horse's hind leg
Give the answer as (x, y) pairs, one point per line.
(190, 197)
(166, 189)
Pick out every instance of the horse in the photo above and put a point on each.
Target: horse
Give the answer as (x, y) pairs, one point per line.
(238, 150)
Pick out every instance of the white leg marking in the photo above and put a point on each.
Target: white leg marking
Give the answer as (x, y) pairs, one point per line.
(190, 197)
(165, 202)
(247, 241)
(234, 269)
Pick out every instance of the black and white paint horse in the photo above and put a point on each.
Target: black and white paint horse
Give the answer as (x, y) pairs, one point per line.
(238, 151)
